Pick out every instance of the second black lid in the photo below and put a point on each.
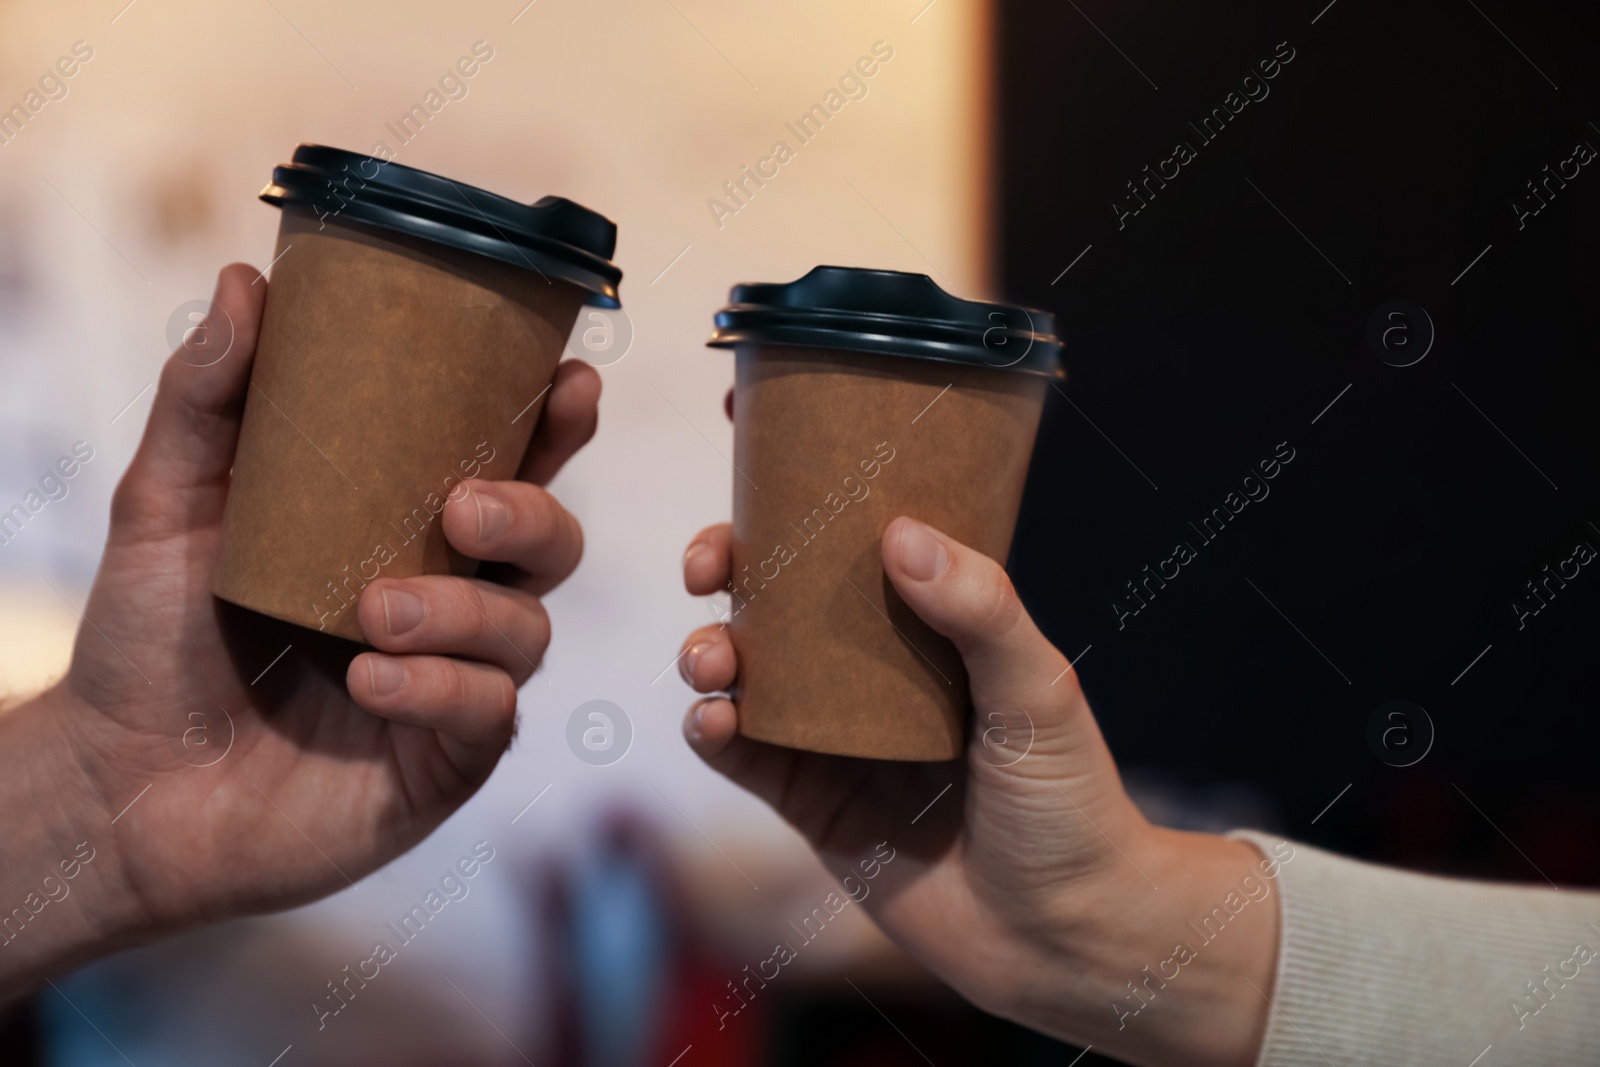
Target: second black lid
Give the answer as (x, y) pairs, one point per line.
(554, 236)
(889, 313)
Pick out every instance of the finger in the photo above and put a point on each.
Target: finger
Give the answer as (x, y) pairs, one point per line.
(837, 803)
(708, 561)
(448, 616)
(1021, 685)
(967, 597)
(727, 404)
(571, 414)
(472, 706)
(712, 729)
(178, 478)
(708, 662)
(518, 524)
(710, 726)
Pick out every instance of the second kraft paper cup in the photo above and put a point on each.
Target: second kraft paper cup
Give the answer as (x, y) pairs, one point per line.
(862, 395)
(411, 330)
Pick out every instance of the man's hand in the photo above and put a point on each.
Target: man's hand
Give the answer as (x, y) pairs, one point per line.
(212, 778)
(1034, 886)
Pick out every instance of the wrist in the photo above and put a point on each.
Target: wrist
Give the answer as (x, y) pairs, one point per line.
(61, 896)
(1168, 957)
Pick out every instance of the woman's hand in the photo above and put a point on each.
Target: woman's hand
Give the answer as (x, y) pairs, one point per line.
(1033, 886)
(218, 763)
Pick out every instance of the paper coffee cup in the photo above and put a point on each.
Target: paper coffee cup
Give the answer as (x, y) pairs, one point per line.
(861, 396)
(410, 334)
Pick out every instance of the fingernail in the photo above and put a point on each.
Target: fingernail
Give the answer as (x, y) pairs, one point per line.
(385, 675)
(402, 611)
(694, 552)
(493, 516)
(922, 553)
(699, 719)
(686, 664)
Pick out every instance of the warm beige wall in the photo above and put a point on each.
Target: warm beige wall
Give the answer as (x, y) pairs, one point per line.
(169, 131)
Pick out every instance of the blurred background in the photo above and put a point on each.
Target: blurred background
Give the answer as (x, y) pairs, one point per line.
(1218, 308)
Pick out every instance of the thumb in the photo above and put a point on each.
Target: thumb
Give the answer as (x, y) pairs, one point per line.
(967, 597)
(1023, 814)
(178, 479)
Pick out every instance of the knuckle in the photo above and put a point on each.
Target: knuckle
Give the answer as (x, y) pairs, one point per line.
(170, 378)
(526, 627)
(505, 704)
(493, 695)
(540, 626)
(134, 507)
(200, 399)
(538, 517)
(474, 607)
(457, 691)
(550, 536)
(995, 606)
(126, 500)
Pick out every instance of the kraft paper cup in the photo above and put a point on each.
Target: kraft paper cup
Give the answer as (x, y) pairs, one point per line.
(410, 335)
(861, 396)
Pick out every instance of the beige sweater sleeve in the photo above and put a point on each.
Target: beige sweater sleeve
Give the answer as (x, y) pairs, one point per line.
(1381, 966)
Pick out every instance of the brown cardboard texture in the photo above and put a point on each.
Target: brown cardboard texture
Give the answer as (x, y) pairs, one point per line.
(388, 370)
(829, 448)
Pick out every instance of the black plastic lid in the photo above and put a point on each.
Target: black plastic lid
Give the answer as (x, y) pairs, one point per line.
(553, 236)
(889, 313)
